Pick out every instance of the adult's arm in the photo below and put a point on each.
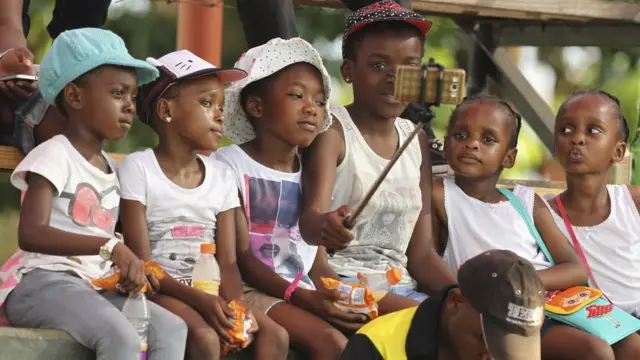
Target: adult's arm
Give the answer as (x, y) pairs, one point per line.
(11, 32)
(264, 20)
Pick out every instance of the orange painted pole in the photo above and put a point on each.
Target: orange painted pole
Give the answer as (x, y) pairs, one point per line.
(200, 30)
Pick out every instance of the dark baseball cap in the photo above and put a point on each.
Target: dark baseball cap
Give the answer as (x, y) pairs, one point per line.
(510, 297)
(382, 11)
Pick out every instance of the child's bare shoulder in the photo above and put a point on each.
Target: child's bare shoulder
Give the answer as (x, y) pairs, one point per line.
(334, 131)
(328, 144)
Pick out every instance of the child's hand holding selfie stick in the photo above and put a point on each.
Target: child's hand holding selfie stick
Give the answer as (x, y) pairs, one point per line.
(430, 85)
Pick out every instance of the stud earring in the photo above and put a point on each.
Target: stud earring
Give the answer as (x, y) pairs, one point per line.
(168, 118)
(347, 80)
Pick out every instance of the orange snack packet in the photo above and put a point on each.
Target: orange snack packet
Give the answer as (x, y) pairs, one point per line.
(240, 335)
(110, 282)
(358, 299)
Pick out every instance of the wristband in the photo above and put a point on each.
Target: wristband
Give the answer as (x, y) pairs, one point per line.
(292, 287)
(3, 53)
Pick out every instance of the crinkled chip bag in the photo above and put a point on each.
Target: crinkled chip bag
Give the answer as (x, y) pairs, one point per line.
(110, 281)
(240, 334)
(357, 298)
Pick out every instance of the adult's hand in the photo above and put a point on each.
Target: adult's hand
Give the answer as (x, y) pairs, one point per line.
(17, 61)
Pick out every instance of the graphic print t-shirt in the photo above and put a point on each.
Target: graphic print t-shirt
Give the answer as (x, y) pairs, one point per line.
(178, 219)
(86, 202)
(271, 202)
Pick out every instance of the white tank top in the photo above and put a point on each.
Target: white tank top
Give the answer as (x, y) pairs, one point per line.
(383, 231)
(612, 249)
(476, 226)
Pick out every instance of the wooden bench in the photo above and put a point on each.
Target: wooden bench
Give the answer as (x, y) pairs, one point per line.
(33, 344)
(10, 157)
(37, 344)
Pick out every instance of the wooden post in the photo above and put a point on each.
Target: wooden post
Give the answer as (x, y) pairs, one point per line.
(200, 29)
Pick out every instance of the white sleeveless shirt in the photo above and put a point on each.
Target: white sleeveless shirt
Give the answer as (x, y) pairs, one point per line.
(383, 230)
(476, 226)
(612, 249)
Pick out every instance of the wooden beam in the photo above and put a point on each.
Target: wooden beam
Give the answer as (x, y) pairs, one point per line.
(541, 187)
(567, 10)
(525, 98)
(10, 157)
(537, 34)
(575, 10)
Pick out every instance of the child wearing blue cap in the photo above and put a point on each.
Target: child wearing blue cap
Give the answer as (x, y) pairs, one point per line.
(68, 217)
(176, 200)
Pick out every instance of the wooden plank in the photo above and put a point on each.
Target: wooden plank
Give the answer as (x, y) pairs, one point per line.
(10, 157)
(541, 187)
(558, 185)
(538, 34)
(525, 98)
(573, 10)
(567, 10)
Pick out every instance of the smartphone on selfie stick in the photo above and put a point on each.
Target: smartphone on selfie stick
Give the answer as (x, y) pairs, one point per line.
(19, 77)
(429, 85)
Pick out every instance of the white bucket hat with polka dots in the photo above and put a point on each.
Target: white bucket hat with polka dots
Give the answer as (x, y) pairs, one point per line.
(260, 62)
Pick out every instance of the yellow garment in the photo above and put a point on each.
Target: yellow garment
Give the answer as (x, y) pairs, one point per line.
(389, 333)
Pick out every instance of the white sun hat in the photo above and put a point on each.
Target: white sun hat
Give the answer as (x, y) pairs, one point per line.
(260, 62)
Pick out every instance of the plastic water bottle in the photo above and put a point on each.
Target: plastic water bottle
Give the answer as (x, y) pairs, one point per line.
(380, 284)
(206, 272)
(136, 310)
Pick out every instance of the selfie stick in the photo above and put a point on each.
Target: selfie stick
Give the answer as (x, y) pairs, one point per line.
(349, 222)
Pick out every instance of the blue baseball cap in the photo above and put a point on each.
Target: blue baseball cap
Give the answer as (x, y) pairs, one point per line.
(76, 52)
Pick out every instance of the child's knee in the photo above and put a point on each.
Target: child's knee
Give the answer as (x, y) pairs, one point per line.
(593, 348)
(123, 341)
(168, 330)
(628, 348)
(564, 342)
(205, 340)
(275, 336)
(330, 343)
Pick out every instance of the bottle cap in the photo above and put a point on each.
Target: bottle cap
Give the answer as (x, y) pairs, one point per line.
(208, 249)
(394, 276)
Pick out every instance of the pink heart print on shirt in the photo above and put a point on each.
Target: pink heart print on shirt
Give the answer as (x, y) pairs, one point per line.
(85, 207)
(184, 231)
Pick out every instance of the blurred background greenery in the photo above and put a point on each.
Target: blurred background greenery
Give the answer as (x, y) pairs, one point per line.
(149, 29)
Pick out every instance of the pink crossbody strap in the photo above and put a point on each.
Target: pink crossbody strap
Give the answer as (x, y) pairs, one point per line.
(576, 244)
